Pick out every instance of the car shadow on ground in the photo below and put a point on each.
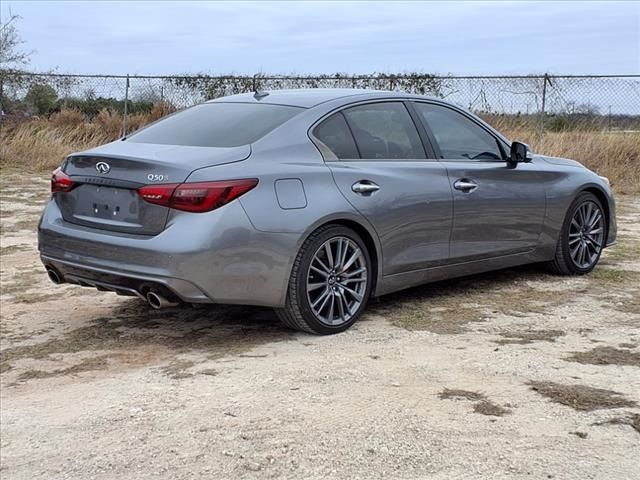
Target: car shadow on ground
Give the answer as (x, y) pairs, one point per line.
(215, 331)
(209, 326)
(206, 326)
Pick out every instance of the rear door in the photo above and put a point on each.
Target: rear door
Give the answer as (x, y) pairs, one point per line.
(498, 209)
(379, 164)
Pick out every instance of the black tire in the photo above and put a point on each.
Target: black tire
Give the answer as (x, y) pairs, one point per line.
(297, 312)
(563, 263)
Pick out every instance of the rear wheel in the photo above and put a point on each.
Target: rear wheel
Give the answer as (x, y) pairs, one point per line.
(582, 237)
(330, 282)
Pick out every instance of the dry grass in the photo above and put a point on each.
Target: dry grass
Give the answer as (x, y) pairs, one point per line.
(581, 397)
(67, 118)
(606, 356)
(529, 336)
(633, 420)
(456, 393)
(486, 407)
(41, 145)
(482, 406)
(615, 155)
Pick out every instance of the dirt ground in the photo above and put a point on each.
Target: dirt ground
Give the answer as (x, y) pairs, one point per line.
(515, 374)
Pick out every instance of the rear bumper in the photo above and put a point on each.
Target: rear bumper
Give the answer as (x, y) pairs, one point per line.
(214, 257)
(124, 283)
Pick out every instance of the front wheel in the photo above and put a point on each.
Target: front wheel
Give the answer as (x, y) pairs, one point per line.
(582, 237)
(330, 282)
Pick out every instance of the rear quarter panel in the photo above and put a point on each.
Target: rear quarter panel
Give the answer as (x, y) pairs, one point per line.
(300, 161)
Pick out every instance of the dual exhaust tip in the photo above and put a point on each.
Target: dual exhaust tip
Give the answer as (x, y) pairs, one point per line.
(157, 301)
(154, 298)
(54, 276)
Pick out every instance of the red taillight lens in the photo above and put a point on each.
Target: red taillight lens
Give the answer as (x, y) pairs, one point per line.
(158, 194)
(197, 197)
(60, 181)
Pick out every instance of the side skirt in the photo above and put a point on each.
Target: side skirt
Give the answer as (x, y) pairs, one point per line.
(400, 281)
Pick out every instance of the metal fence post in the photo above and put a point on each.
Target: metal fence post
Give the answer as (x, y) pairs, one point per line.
(544, 102)
(126, 107)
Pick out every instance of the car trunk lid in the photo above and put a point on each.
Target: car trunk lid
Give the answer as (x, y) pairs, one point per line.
(106, 181)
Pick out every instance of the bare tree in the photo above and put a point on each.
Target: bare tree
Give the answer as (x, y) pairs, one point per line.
(11, 54)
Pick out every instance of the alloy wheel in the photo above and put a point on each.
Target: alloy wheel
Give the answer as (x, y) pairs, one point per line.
(337, 280)
(586, 234)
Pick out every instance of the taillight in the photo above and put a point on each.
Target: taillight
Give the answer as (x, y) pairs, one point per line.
(158, 194)
(60, 181)
(196, 197)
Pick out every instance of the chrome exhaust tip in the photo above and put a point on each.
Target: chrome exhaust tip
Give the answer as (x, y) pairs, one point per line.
(54, 276)
(157, 301)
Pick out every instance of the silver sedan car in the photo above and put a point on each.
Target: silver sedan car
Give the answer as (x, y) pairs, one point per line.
(312, 201)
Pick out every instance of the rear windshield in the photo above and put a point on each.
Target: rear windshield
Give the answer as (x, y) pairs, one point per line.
(216, 125)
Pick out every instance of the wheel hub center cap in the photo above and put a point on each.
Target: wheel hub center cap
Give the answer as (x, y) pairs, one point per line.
(331, 280)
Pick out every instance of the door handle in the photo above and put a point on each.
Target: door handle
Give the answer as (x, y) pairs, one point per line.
(365, 187)
(465, 185)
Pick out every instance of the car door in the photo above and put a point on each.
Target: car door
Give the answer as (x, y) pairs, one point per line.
(499, 208)
(379, 163)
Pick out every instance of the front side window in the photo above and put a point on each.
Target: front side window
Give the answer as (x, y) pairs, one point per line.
(336, 136)
(216, 125)
(384, 131)
(458, 137)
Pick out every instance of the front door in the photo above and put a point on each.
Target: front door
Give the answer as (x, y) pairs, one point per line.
(498, 208)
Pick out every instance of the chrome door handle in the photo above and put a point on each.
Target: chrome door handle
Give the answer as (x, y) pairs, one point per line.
(364, 187)
(465, 185)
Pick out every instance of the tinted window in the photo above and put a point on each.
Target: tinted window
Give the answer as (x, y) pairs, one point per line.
(216, 125)
(335, 134)
(457, 136)
(384, 130)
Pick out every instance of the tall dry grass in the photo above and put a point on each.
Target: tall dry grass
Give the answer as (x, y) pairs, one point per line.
(41, 145)
(615, 155)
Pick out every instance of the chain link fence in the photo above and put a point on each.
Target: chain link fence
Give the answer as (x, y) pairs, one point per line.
(546, 102)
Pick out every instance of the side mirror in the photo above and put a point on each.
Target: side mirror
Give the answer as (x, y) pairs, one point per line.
(519, 153)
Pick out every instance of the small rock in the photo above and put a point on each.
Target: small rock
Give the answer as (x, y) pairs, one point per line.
(253, 466)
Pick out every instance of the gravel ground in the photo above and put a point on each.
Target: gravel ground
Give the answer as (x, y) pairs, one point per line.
(515, 374)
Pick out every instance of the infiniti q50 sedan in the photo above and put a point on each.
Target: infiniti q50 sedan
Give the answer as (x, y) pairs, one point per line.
(312, 201)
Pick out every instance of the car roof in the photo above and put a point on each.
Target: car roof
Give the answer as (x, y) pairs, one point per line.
(309, 97)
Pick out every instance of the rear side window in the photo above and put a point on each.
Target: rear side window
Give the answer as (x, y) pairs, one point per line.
(335, 134)
(384, 131)
(458, 137)
(216, 125)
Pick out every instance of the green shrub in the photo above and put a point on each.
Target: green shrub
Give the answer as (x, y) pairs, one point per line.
(91, 106)
(41, 98)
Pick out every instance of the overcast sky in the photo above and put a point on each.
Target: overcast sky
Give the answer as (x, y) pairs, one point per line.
(161, 37)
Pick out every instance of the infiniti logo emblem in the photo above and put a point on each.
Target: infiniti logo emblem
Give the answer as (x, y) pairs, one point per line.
(103, 168)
